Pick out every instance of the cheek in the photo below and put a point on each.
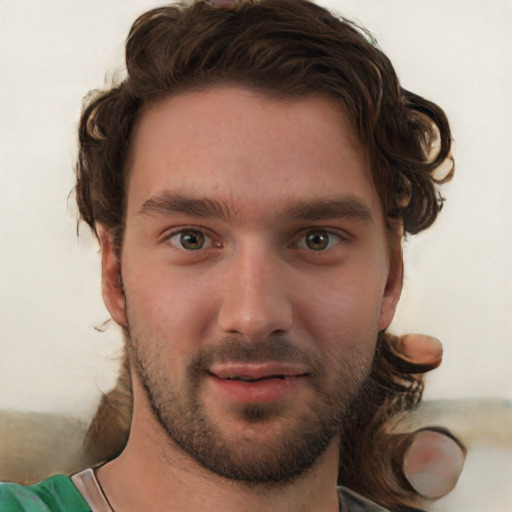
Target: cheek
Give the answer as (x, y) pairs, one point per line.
(346, 313)
(164, 299)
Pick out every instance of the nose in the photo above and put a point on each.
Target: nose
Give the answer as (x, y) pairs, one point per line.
(255, 300)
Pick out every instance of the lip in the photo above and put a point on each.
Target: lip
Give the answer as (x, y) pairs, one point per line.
(262, 382)
(257, 370)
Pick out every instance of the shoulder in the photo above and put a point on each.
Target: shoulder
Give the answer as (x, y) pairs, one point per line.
(55, 494)
(350, 501)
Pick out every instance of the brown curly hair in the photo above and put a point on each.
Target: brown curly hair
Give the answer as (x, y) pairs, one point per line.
(285, 49)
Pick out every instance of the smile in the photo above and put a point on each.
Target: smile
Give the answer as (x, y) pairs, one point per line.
(256, 382)
(269, 377)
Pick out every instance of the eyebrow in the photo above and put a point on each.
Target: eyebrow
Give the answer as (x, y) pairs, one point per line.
(167, 202)
(346, 207)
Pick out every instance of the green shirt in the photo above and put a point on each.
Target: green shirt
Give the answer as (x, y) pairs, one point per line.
(59, 494)
(55, 494)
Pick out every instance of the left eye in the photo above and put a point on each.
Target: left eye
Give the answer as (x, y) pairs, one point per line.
(318, 240)
(190, 240)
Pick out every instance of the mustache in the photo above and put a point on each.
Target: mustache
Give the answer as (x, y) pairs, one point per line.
(233, 349)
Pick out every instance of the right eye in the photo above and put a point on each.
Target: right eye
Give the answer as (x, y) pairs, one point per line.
(190, 240)
(319, 240)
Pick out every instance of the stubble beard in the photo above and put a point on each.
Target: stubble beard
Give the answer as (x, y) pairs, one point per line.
(300, 439)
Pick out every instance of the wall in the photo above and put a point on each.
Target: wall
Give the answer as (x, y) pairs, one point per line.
(459, 278)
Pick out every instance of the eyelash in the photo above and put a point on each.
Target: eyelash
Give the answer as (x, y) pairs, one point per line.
(333, 239)
(171, 238)
(301, 243)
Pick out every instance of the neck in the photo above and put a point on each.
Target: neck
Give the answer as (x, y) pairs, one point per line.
(153, 473)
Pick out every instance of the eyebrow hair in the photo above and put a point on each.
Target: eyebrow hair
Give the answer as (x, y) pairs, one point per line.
(168, 202)
(347, 207)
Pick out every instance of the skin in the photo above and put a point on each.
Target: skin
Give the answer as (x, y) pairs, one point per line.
(272, 268)
(433, 463)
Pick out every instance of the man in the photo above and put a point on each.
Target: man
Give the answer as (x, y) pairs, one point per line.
(250, 184)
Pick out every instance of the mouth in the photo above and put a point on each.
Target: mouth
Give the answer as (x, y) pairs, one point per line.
(256, 382)
(266, 377)
(256, 372)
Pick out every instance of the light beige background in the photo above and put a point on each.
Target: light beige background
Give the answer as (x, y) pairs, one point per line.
(459, 274)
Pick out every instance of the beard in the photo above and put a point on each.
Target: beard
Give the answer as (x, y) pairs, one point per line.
(298, 436)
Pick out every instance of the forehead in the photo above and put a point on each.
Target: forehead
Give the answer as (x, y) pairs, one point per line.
(247, 148)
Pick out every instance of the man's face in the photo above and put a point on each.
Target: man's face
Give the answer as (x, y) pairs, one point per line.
(256, 273)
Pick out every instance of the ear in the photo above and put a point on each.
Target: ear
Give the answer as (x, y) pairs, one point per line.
(111, 282)
(394, 280)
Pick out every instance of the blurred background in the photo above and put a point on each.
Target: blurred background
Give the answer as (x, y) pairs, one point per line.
(55, 356)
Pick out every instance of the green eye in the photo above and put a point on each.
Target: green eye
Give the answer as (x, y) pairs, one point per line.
(317, 240)
(191, 239)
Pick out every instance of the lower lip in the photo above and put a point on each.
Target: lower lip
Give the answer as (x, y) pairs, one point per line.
(262, 391)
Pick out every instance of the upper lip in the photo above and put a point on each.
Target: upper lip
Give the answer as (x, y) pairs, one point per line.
(257, 371)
